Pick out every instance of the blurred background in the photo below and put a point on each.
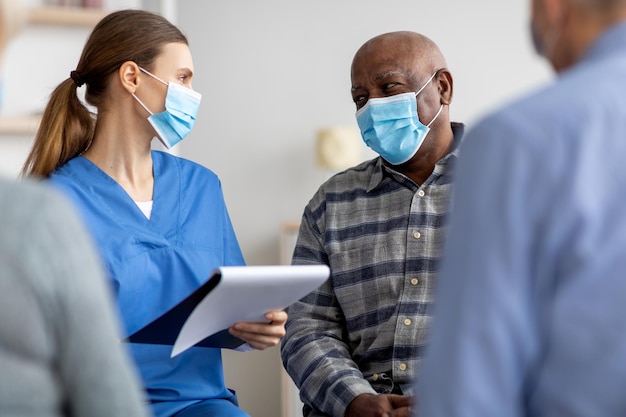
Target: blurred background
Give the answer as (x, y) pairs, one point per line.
(277, 117)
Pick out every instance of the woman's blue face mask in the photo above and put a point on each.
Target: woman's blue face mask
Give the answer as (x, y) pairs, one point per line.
(390, 126)
(181, 108)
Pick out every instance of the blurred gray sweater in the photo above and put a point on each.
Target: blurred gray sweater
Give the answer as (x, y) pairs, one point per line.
(60, 353)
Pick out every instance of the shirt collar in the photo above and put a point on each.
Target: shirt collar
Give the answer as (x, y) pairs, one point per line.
(611, 41)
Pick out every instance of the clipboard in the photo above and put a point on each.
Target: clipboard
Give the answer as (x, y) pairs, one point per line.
(231, 294)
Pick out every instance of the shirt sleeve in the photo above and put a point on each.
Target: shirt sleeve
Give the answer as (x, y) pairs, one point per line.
(94, 368)
(314, 351)
(484, 337)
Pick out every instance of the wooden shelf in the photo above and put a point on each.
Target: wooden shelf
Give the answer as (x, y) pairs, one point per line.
(65, 16)
(61, 16)
(19, 125)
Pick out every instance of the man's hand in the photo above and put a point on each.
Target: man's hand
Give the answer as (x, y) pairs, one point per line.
(262, 335)
(380, 405)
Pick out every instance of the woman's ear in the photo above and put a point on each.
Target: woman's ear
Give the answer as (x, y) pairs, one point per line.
(445, 83)
(128, 75)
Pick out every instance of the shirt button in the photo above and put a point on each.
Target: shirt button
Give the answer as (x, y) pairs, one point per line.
(417, 235)
(407, 322)
(414, 281)
(421, 193)
(402, 366)
(375, 377)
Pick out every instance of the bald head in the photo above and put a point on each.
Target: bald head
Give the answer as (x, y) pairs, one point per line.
(393, 63)
(417, 50)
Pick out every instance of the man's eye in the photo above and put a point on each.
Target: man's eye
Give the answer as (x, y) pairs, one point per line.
(182, 78)
(389, 86)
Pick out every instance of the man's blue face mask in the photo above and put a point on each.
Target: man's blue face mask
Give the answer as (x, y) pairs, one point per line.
(390, 126)
(181, 109)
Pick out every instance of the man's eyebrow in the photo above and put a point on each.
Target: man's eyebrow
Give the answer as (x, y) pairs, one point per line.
(380, 76)
(386, 74)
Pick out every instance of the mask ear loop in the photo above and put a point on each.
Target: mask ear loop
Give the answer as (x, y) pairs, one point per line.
(437, 115)
(156, 78)
(152, 75)
(142, 105)
(425, 84)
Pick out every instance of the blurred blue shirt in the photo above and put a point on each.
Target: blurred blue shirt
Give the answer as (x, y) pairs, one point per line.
(530, 312)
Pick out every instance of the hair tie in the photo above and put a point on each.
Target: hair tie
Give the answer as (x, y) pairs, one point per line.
(78, 79)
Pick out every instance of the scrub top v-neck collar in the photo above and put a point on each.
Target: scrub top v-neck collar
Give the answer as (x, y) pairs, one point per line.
(165, 211)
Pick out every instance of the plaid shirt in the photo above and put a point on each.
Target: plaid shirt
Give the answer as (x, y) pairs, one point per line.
(364, 330)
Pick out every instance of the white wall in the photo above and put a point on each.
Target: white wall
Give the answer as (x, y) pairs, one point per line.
(272, 72)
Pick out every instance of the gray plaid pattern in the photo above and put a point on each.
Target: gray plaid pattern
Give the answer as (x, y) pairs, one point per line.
(364, 330)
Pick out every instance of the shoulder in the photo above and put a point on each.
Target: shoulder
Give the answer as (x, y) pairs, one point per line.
(187, 168)
(347, 185)
(77, 174)
(524, 122)
(36, 219)
(20, 200)
(358, 177)
(552, 116)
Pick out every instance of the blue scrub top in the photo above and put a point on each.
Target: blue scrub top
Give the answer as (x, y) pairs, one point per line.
(155, 263)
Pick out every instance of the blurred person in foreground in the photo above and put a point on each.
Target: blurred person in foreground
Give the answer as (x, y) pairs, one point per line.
(353, 346)
(530, 318)
(60, 353)
(60, 350)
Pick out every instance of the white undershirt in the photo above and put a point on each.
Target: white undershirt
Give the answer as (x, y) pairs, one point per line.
(145, 207)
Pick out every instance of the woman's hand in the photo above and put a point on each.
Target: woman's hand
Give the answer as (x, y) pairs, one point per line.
(262, 335)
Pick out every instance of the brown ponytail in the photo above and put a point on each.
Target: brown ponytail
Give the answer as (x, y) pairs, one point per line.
(67, 125)
(66, 129)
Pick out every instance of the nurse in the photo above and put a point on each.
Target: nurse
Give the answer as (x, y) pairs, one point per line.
(160, 221)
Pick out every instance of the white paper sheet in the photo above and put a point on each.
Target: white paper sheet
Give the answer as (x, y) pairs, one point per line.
(245, 294)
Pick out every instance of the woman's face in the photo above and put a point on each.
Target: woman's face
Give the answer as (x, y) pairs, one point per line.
(174, 65)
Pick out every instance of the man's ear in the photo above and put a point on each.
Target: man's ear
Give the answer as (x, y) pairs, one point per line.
(128, 75)
(445, 86)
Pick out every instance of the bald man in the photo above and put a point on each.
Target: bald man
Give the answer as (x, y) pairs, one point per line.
(353, 346)
(530, 314)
